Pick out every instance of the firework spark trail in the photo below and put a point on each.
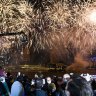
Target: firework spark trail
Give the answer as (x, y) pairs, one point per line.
(86, 33)
(61, 24)
(82, 33)
(14, 15)
(52, 26)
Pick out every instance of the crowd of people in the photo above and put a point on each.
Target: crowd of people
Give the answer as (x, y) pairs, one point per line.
(67, 85)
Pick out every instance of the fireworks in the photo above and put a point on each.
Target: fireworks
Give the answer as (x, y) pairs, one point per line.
(85, 33)
(14, 15)
(57, 25)
(76, 24)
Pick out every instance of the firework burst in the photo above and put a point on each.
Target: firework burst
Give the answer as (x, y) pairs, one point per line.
(76, 21)
(52, 26)
(84, 33)
(49, 26)
(14, 15)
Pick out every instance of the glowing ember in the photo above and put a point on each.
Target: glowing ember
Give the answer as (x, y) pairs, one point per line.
(92, 16)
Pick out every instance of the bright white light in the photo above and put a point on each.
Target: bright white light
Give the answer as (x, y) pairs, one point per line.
(92, 16)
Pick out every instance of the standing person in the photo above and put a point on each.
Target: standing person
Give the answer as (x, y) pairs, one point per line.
(78, 86)
(17, 88)
(49, 87)
(59, 88)
(38, 88)
(93, 84)
(2, 72)
(9, 80)
(4, 90)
